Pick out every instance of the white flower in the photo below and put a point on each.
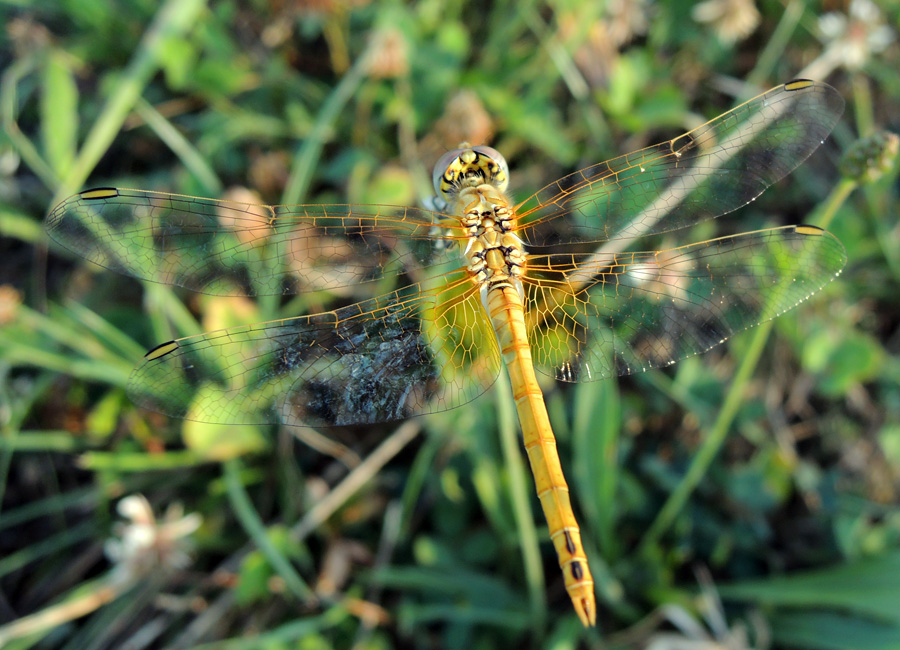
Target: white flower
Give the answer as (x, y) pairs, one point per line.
(731, 20)
(853, 37)
(145, 545)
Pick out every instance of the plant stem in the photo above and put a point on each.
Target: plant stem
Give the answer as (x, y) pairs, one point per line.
(519, 493)
(716, 438)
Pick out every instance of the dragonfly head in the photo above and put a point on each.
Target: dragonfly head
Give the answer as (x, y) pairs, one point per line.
(469, 166)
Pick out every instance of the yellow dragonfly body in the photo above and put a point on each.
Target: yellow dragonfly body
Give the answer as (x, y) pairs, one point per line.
(476, 282)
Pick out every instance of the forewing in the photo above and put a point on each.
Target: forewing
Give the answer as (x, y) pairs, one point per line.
(421, 349)
(597, 316)
(708, 172)
(228, 248)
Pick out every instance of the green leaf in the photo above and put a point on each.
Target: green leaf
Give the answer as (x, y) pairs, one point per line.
(832, 631)
(104, 416)
(218, 441)
(868, 587)
(889, 437)
(256, 571)
(842, 360)
(391, 185)
(59, 113)
(178, 59)
(453, 38)
(19, 225)
(253, 579)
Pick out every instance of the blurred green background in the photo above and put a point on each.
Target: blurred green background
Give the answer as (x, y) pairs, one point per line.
(748, 497)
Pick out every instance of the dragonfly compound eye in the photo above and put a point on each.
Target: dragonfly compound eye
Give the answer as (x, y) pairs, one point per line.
(469, 167)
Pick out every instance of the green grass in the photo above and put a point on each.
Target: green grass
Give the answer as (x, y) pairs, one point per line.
(767, 471)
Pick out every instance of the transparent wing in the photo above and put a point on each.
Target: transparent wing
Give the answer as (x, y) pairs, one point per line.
(429, 346)
(597, 316)
(228, 248)
(708, 172)
(421, 349)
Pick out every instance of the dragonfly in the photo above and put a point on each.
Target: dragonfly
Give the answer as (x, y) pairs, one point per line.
(435, 301)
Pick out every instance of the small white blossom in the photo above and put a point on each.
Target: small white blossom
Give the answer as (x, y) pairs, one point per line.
(145, 545)
(852, 38)
(731, 20)
(626, 19)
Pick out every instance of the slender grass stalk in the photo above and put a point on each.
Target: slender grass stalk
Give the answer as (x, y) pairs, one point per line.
(16, 409)
(862, 104)
(573, 78)
(254, 526)
(418, 473)
(81, 497)
(45, 440)
(885, 229)
(521, 501)
(390, 535)
(174, 19)
(187, 153)
(713, 442)
(470, 616)
(88, 598)
(778, 42)
(122, 462)
(165, 309)
(716, 438)
(78, 334)
(125, 604)
(307, 156)
(21, 226)
(102, 328)
(67, 539)
(298, 632)
(360, 475)
(147, 549)
(18, 353)
(59, 110)
(9, 83)
(596, 461)
(62, 331)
